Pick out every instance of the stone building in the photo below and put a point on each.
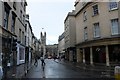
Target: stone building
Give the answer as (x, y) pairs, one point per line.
(97, 32)
(12, 27)
(61, 45)
(52, 50)
(42, 44)
(28, 39)
(70, 36)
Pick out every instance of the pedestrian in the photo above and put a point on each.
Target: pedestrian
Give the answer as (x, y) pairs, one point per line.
(36, 60)
(43, 61)
(54, 57)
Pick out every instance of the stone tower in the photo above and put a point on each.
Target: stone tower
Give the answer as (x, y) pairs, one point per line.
(43, 43)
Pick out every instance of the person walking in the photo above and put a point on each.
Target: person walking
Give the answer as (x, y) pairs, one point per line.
(36, 60)
(43, 61)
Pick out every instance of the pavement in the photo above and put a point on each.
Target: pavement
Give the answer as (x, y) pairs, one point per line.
(55, 69)
(87, 66)
(106, 70)
(19, 71)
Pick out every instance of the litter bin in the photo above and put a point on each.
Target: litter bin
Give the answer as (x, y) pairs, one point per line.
(117, 72)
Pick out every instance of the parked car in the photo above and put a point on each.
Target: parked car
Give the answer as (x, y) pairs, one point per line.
(49, 57)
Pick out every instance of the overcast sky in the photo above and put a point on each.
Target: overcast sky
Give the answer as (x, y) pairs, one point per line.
(50, 15)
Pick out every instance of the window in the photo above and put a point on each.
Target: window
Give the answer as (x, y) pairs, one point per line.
(96, 30)
(24, 6)
(25, 40)
(84, 3)
(23, 37)
(113, 5)
(25, 27)
(13, 23)
(21, 15)
(114, 27)
(6, 15)
(95, 9)
(23, 19)
(21, 2)
(19, 34)
(14, 5)
(85, 33)
(84, 16)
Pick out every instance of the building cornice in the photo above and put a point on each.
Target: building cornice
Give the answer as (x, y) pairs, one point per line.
(21, 21)
(91, 42)
(29, 25)
(76, 2)
(83, 8)
(7, 31)
(69, 14)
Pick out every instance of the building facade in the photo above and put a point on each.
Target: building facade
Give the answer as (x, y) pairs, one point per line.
(12, 34)
(97, 32)
(28, 39)
(43, 44)
(70, 36)
(37, 47)
(51, 50)
(12, 27)
(61, 45)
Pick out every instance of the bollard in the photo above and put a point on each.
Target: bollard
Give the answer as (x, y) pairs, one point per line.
(117, 72)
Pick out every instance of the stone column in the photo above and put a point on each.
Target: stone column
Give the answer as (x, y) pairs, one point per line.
(107, 56)
(91, 56)
(78, 55)
(70, 55)
(83, 55)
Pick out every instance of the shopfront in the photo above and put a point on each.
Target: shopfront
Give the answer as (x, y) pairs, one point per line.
(102, 52)
(20, 54)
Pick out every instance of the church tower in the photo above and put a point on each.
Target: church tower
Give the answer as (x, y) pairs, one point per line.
(43, 43)
(43, 38)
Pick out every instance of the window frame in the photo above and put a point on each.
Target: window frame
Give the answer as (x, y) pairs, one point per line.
(14, 5)
(84, 15)
(114, 8)
(85, 33)
(21, 15)
(94, 14)
(96, 30)
(113, 31)
(20, 34)
(6, 17)
(13, 23)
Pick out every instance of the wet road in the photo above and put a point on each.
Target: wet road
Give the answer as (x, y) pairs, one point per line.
(56, 70)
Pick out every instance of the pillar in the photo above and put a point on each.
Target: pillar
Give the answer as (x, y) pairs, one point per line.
(91, 56)
(83, 55)
(79, 59)
(107, 56)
